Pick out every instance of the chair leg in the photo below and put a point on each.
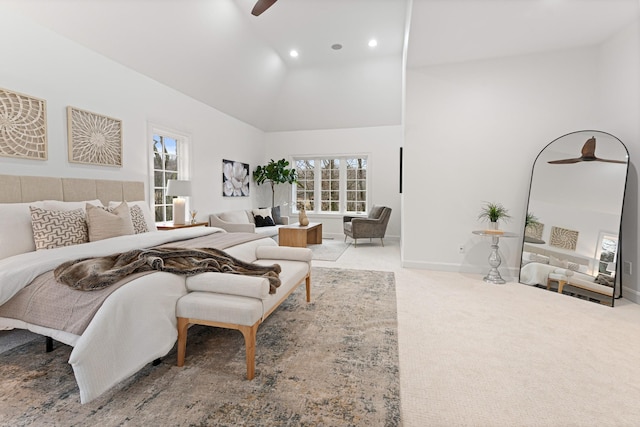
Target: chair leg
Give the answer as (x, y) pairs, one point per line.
(382, 241)
(345, 237)
(355, 243)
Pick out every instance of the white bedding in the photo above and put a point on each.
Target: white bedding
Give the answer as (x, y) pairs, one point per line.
(134, 326)
(535, 273)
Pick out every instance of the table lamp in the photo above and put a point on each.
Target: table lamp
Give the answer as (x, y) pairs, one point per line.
(179, 188)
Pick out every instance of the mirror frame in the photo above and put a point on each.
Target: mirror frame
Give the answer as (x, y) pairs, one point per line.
(617, 291)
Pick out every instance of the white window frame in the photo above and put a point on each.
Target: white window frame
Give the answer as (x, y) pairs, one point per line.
(610, 236)
(183, 145)
(342, 183)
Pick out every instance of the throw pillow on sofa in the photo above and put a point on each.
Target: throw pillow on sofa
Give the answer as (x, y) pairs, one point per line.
(262, 217)
(275, 215)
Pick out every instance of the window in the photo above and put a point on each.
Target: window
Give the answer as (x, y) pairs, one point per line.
(169, 162)
(338, 184)
(606, 253)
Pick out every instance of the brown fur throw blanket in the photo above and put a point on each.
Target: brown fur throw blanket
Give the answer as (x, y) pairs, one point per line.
(91, 274)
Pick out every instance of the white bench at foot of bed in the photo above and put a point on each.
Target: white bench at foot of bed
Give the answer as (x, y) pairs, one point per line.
(240, 302)
(577, 282)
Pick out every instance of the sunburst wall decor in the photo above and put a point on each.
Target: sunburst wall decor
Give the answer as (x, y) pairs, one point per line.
(564, 238)
(93, 138)
(23, 126)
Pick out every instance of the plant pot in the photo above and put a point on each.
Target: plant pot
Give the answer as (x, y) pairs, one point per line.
(493, 225)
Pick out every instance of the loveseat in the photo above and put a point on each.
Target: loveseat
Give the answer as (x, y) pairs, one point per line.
(244, 221)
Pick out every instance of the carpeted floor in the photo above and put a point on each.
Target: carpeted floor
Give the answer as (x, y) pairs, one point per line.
(331, 362)
(328, 250)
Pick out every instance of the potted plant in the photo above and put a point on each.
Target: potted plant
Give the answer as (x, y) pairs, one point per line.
(531, 220)
(494, 212)
(275, 173)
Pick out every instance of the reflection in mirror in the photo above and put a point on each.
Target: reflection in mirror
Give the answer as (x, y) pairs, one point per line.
(572, 227)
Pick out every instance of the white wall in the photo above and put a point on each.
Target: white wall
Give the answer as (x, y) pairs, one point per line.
(40, 63)
(619, 99)
(473, 131)
(381, 144)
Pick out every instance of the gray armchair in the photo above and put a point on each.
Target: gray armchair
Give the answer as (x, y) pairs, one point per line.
(374, 225)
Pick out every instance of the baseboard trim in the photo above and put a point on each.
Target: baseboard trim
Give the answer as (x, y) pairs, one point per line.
(340, 236)
(508, 273)
(631, 294)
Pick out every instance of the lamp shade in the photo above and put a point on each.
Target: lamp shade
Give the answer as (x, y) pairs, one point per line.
(178, 187)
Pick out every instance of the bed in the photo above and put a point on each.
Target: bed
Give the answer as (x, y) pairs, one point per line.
(135, 325)
(543, 267)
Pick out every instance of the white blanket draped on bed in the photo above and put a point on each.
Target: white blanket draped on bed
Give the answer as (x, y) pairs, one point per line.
(134, 326)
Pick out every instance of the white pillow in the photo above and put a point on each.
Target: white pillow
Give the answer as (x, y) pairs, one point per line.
(539, 258)
(264, 212)
(53, 229)
(58, 205)
(104, 224)
(16, 233)
(556, 262)
(235, 217)
(148, 215)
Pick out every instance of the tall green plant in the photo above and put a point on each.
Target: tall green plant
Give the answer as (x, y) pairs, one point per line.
(275, 173)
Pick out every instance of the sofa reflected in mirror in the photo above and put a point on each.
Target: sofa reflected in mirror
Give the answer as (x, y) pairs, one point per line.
(374, 225)
(576, 195)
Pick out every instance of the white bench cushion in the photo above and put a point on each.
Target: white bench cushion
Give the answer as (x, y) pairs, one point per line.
(230, 284)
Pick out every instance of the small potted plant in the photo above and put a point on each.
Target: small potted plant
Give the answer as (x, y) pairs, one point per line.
(493, 212)
(531, 220)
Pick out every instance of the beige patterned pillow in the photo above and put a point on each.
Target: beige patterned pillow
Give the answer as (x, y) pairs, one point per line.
(138, 220)
(53, 229)
(104, 224)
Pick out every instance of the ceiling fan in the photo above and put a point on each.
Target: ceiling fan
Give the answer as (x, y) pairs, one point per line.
(261, 6)
(588, 155)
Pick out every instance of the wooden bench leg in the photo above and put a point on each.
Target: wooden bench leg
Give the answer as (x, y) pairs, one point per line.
(183, 326)
(561, 284)
(249, 333)
(308, 286)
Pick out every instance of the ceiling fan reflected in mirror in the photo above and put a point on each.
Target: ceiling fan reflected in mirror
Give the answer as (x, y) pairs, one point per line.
(588, 155)
(261, 6)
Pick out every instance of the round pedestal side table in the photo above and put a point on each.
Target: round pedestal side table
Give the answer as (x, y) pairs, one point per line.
(494, 257)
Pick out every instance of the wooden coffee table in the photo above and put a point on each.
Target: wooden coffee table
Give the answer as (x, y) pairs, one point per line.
(300, 235)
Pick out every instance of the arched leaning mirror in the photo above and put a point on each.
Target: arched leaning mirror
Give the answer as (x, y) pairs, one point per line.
(572, 229)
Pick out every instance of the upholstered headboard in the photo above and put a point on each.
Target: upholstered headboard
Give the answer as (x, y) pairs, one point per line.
(547, 252)
(24, 189)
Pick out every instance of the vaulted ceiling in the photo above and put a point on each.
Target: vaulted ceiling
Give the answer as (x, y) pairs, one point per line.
(218, 53)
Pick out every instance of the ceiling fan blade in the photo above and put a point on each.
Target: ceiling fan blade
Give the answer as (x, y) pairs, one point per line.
(261, 6)
(589, 148)
(565, 161)
(612, 161)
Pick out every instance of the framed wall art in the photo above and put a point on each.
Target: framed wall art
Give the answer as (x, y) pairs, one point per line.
(235, 179)
(564, 238)
(23, 126)
(94, 139)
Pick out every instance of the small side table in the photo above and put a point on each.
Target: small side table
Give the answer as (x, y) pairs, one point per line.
(300, 236)
(169, 225)
(494, 258)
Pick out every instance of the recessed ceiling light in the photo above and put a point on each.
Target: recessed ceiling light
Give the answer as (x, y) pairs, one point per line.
(293, 53)
(373, 43)
(336, 46)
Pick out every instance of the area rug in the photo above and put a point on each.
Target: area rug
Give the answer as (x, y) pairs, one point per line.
(329, 250)
(331, 362)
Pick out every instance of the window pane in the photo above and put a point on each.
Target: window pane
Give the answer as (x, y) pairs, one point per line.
(339, 177)
(165, 163)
